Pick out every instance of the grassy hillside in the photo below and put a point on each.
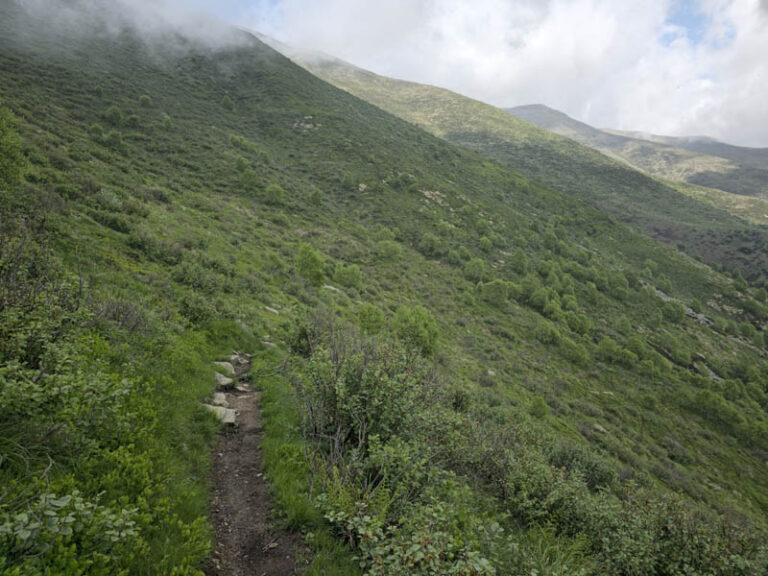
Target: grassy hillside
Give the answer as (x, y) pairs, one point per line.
(752, 157)
(474, 374)
(728, 177)
(696, 161)
(700, 229)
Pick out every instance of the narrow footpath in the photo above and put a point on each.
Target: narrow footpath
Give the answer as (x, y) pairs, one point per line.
(246, 543)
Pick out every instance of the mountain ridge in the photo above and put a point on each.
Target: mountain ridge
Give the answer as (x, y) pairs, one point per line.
(692, 160)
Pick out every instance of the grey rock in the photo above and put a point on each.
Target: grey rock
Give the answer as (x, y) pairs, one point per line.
(225, 415)
(222, 381)
(225, 367)
(220, 399)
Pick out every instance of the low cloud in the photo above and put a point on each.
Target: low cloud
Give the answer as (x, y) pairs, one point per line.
(617, 64)
(170, 23)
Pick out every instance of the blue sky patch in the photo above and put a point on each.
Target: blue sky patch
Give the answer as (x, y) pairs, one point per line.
(688, 16)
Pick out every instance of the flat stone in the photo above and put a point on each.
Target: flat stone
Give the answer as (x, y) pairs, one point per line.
(241, 362)
(599, 428)
(268, 344)
(222, 381)
(242, 387)
(220, 399)
(270, 309)
(225, 415)
(226, 367)
(332, 288)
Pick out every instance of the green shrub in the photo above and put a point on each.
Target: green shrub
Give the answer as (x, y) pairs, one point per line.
(575, 352)
(96, 130)
(416, 328)
(474, 270)
(227, 103)
(388, 250)
(310, 264)
(518, 262)
(431, 245)
(114, 116)
(371, 318)
(608, 350)
(673, 311)
(145, 101)
(349, 276)
(546, 332)
(539, 408)
(273, 194)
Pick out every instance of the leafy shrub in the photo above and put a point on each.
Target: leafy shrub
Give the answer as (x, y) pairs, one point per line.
(310, 264)
(416, 328)
(474, 270)
(145, 101)
(575, 352)
(539, 408)
(114, 139)
(518, 262)
(273, 194)
(371, 318)
(608, 350)
(596, 471)
(349, 276)
(388, 250)
(673, 311)
(96, 130)
(227, 103)
(546, 332)
(114, 116)
(431, 245)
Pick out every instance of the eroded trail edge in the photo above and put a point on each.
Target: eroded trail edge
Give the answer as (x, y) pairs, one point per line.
(246, 542)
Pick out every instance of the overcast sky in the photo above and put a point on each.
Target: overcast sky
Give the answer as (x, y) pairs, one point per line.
(679, 67)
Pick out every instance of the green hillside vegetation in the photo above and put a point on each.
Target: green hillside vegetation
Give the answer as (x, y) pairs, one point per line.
(701, 229)
(743, 156)
(697, 161)
(748, 208)
(474, 373)
(736, 181)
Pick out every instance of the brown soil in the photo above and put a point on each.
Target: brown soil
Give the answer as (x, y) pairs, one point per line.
(246, 542)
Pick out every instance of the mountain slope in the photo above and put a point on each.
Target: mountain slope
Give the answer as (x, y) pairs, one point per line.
(752, 157)
(450, 354)
(697, 161)
(659, 210)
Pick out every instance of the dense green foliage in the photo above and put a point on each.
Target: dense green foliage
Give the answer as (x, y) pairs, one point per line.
(495, 384)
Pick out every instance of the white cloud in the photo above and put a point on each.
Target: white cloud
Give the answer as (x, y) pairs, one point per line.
(170, 23)
(615, 63)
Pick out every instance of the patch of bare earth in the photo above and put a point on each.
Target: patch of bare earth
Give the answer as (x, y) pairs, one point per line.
(247, 543)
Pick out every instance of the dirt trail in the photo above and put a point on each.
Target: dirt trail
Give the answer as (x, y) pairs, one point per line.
(246, 544)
